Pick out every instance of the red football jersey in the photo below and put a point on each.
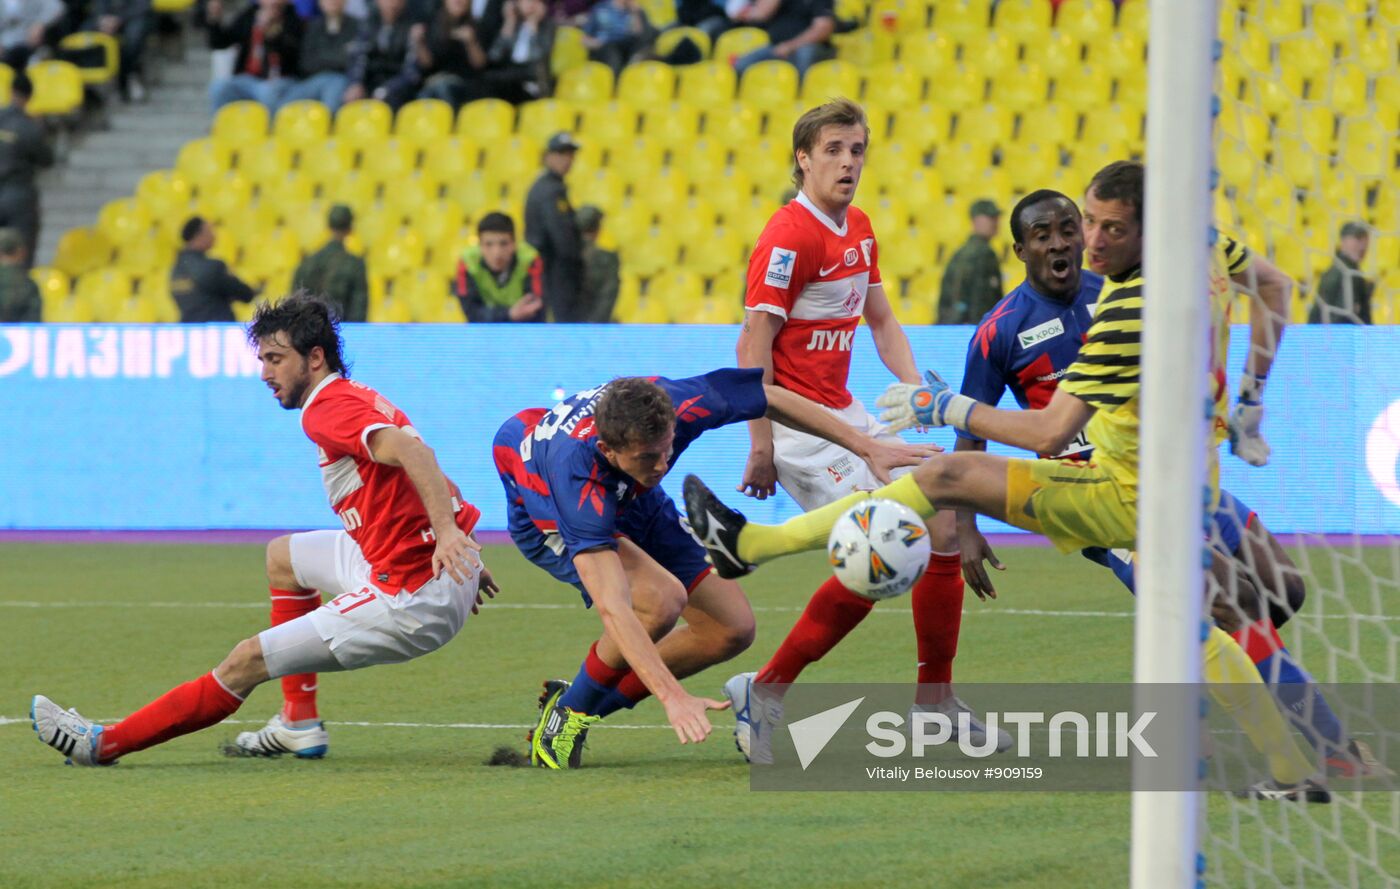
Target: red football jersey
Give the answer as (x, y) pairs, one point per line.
(377, 503)
(814, 275)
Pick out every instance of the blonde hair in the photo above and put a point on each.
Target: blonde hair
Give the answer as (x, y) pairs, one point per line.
(839, 112)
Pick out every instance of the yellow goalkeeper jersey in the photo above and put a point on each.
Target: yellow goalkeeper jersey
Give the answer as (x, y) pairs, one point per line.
(1106, 375)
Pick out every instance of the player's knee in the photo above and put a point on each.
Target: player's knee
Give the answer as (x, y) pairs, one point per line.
(279, 563)
(736, 636)
(659, 604)
(244, 668)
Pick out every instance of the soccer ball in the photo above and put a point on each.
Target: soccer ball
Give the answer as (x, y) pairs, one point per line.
(878, 549)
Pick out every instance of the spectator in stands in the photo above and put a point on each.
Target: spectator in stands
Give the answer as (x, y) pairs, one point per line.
(334, 272)
(203, 287)
(24, 151)
(383, 62)
(1343, 292)
(972, 281)
(19, 295)
(268, 37)
(600, 270)
(452, 57)
(499, 280)
(798, 30)
(325, 57)
(710, 16)
(519, 56)
(550, 227)
(130, 22)
(24, 26)
(615, 31)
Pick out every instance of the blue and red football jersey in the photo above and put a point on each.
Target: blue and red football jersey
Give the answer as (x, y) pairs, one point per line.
(1026, 343)
(558, 482)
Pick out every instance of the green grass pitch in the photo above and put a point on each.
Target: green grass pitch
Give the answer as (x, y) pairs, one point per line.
(405, 799)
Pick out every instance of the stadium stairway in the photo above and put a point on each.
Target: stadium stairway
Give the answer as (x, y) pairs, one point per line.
(106, 164)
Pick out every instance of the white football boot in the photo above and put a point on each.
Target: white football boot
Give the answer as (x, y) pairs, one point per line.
(66, 731)
(277, 738)
(757, 714)
(951, 706)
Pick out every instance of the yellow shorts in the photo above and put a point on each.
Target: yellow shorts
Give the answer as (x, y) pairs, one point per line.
(1073, 503)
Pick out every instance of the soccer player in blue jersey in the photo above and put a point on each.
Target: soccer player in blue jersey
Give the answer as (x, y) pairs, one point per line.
(583, 492)
(1026, 343)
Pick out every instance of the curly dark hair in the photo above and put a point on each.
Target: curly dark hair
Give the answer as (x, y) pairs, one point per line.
(308, 321)
(633, 410)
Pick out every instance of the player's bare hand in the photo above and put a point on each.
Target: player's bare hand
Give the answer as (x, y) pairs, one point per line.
(760, 476)
(456, 554)
(485, 585)
(975, 552)
(687, 716)
(885, 457)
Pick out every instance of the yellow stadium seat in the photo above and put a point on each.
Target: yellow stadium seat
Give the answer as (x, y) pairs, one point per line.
(1084, 88)
(984, 125)
(1132, 89)
(669, 40)
(961, 87)
(923, 190)
(655, 252)
(477, 193)
(1367, 148)
(54, 286)
(921, 126)
(516, 158)
(1132, 17)
(1022, 20)
(887, 214)
(568, 51)
(1315, 124)
(707, 84)
(58, 89)
(105, 290)
(865, 47)
(769, 162)
(164, 193)
(694, 222)
(663, 188)
(277, 196)
(962, 20)
(437, 220)
(95, 75)
(1056, 53)
(145, 255)
(202, 161)
(399, 253)
(1113, 123)
(898, 15)
(543, 118)
(228, 197)
(1119, 53)
(602, 188)
(1308, 54)
(602, 124)
(904, 254)
(630, 223)
(735, 124)
(80, 250)
(1021, 87)
(1275, 95)
(364, 122)
(7, 76)
(1087, 21)
(702, 161)
(1053, 124)
(265, 161)
(329, 161)
(308, 222)
(1388, 13)
(738, 42)
(423, 122)
(446, 159)
(1029, 164)
(1374, 50)
(895, 85)
(830, 79)
(769, 85)
(486, 120)
(301, 124)
(673, 125)
(588, 83)
(1246, 125)
(1347, 89)
(352, 189)
(1278, 18)
(124, 220)
(1254, 50)
(1296, 160)
(928, 52)
(731, 194)
(660, 13)
(681, 291)
(1388, 101)
(647, 84)
(239, 125)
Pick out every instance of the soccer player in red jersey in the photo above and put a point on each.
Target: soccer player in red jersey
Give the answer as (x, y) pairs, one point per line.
(404, 573)
(812, 276)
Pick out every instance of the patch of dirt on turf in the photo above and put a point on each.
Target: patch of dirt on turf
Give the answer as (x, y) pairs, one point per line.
(508, 756)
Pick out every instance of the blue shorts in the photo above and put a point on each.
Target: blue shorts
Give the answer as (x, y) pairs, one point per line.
(651, 521)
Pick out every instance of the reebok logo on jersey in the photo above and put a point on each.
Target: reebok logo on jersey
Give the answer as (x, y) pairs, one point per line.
(689, 411)
(831, 341)
(1041, 332)
(780, 264)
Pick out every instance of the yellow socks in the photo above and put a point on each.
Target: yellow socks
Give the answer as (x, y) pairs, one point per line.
(760, 543)
(1235, 685)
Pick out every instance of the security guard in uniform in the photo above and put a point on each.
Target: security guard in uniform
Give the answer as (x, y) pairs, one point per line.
(972, 281)
(203, 287)
(334, 272)
(24, 150)
(550, 227)
(19, 295)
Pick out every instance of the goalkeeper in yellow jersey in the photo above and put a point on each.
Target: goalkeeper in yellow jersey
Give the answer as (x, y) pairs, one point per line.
(1076, 504)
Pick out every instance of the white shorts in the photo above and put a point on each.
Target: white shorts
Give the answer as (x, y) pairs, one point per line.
(816, 472)
(362, 625)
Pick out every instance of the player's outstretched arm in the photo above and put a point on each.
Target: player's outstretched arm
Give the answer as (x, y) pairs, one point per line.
(1270, 290)
(891, 342)
(455, 551)
(807, 416)
(755, 349)
(974, 547)
(603, 576)
(1047, 430)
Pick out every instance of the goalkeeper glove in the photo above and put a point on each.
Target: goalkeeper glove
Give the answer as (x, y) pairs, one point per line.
(932, 404)
(1246, 440)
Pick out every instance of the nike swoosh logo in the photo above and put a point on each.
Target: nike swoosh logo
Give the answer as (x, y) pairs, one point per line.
(309, 688)
(824, 272)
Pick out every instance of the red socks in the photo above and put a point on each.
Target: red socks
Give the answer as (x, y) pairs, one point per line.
(937, 603)
(185, 708)
(623, 679)
(299, 690)
(832, 613)
(1260, 640)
